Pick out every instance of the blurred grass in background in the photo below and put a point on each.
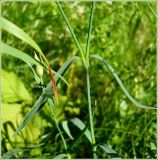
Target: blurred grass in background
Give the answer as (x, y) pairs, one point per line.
(125, 35)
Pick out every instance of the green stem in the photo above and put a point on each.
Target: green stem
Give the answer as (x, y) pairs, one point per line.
(71, 30)
(61, 135)
(90, 29)
(90, 110)
(152, 11)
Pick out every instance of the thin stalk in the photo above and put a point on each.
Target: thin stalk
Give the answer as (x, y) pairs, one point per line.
(61, 135)
(152, 11)
(90, 110)
(90, 29)
(71, 30)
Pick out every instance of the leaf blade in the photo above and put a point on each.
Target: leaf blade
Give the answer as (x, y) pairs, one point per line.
(19, 33)
(70, 29)
(67, 130)
(90, 29)
(110, 68)
(6, 49)
(13, 152)
(109, 151)
(77, 122)
(45, 95)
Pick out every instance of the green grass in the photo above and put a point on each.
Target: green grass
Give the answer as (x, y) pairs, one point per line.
(92, 112)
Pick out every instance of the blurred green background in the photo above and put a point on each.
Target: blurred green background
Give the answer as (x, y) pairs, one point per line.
(125, 35)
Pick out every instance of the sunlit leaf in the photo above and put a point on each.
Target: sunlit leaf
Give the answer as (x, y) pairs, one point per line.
(109, 151)
(19, 33)
(13, 89)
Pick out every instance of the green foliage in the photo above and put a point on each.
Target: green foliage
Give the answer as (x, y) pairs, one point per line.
(121, 33)
(19, 33)
(14, 90)
(18, 54)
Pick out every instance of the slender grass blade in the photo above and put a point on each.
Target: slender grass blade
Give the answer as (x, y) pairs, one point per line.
(45, 95)
(67, 130)
(19, 33)
(78, 123)
(6, 49)
(110, 68)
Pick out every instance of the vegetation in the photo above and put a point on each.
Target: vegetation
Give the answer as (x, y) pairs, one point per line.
(101, 56)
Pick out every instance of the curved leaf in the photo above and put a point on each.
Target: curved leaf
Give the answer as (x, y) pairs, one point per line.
(66, 128)
(109, 151)
(6, 49)
(77, 122)
(19, 33)
(45, 95)
(110, 68)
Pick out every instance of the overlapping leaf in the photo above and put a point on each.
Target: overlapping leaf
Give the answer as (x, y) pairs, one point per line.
(78, 123)
(19, 33)
(46, 94)
(6, 49)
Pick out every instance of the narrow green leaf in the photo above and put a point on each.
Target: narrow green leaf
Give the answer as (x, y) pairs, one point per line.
(45, 95)
(6, 49)
(19, 33)
(66, 128)
(46, 137)
(70, 29)
(109, 151)
(78, 123)
(151, 9)
(110, 68)
(90, 29)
